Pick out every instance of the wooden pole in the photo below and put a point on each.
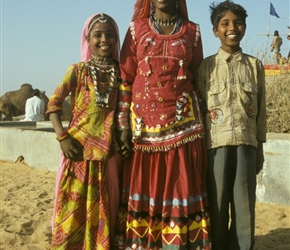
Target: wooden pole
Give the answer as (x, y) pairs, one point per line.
(266, 48)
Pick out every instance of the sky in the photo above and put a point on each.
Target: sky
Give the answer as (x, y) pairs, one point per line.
(39, 39)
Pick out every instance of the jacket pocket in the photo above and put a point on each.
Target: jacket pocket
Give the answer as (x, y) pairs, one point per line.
(248, 95)
(216, 94)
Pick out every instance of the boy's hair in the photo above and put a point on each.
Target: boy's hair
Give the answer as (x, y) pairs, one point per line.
(218, 11)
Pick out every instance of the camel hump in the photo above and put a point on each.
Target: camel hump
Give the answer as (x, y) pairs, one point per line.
(26, 85)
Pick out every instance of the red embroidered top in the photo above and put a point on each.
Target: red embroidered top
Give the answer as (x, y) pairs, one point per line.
(158, 71)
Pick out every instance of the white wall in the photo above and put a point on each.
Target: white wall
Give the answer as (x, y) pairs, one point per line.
(40, 149)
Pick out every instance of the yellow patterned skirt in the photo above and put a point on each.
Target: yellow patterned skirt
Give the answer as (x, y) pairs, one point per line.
(81, 218)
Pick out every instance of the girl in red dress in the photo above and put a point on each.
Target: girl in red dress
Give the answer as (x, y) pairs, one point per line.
(164, 196)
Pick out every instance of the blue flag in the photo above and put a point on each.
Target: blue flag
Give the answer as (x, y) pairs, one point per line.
(273, 11)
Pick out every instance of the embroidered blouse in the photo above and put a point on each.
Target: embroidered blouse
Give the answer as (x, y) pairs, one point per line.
(91, 125)
(158, 72)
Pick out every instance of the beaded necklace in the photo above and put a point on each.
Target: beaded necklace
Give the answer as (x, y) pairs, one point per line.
(165, 22)
(105, 65)
(158, 28)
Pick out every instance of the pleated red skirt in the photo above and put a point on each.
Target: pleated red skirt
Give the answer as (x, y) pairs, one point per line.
(164, 202)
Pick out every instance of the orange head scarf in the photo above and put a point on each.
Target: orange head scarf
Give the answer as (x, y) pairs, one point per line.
(142, 9)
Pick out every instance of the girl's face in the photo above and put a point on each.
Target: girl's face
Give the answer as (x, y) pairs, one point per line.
(165, 5)
(102, 39)
(230, 31)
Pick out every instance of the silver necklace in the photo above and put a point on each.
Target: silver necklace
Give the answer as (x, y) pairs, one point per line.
(102, 60)
(102, 96)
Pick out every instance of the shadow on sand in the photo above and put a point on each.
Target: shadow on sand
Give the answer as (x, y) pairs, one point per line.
(277, 239)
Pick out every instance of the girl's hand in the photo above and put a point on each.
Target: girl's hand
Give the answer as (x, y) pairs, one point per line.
(72, 149)
(124, 139)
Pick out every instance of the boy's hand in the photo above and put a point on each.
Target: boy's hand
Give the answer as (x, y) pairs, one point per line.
(260, 157)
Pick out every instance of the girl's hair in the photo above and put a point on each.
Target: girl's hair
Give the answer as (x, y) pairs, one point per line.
(218, 11)
(276, 33)
(102, 18)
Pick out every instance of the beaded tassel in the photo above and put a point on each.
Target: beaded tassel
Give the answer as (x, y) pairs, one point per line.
(181, 74)
(147, 69)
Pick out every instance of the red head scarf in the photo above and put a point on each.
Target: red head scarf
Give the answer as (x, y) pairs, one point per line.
(142, 9)
(86, 51)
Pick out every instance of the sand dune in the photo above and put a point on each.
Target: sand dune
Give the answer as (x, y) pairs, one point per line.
(27, 201)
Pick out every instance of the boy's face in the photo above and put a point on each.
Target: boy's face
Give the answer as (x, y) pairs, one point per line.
(230, 31)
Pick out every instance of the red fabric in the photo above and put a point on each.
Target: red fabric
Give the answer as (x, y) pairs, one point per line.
(164, 198)
(142, 9)
(276, 67)
(161, 70)
(152, 182)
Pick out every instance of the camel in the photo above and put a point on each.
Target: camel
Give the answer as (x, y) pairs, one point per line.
(12, 103)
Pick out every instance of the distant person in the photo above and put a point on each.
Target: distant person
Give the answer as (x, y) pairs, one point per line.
(233, 86)
(34, 108)
(276, 46)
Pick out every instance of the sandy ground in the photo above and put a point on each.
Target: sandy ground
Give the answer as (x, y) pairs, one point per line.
(27, 202)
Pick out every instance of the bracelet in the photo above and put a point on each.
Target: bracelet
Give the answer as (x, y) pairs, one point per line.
(122, 121)
(122, 127)
(61, 136)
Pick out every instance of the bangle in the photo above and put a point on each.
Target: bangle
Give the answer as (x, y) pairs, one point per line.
(122, 121)
(61, 136)
(122, 127)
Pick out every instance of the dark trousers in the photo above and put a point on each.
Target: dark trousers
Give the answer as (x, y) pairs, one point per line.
(232, 197)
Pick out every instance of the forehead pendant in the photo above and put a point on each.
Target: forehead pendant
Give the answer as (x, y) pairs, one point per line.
(103, 18)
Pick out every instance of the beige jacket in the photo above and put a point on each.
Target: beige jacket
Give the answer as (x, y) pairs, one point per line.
(233, 87)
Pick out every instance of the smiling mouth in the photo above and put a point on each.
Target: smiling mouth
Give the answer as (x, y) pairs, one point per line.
(232, 36)
(105, 47)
